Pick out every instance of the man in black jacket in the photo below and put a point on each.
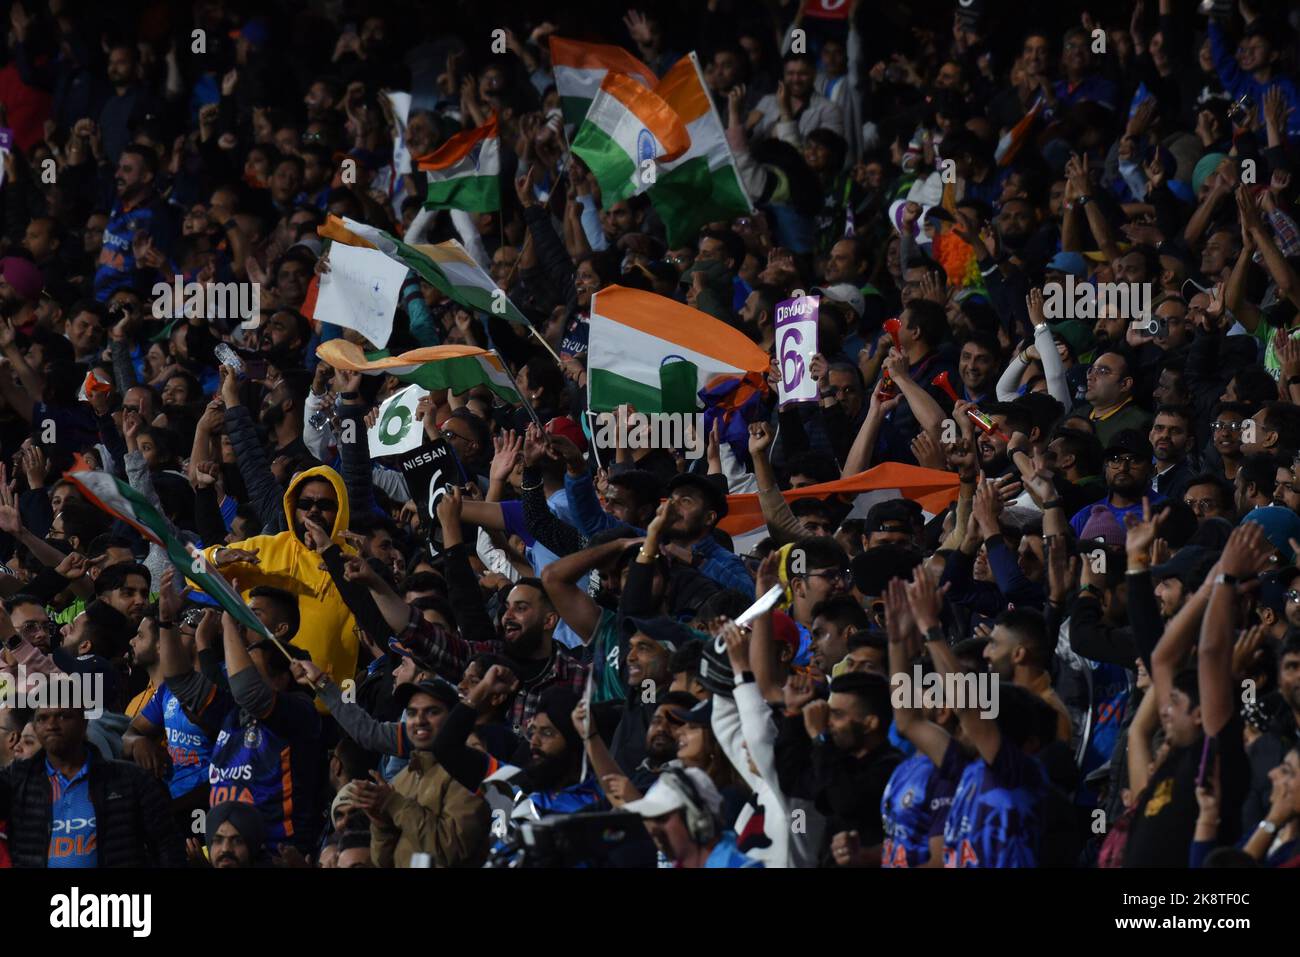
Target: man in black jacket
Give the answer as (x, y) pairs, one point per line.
(837, 753)
(73, 808)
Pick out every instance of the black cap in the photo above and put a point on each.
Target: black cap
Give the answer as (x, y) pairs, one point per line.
(883, 516)
(1130, 441)
(714, 497)
(663, 629)
(876, 567)
(439, 689)
(700, 714)
(1189, 565)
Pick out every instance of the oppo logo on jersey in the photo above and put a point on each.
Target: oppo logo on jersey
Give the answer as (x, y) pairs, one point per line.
(72, 824)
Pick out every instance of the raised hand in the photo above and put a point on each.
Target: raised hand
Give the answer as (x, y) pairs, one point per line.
(507, 448)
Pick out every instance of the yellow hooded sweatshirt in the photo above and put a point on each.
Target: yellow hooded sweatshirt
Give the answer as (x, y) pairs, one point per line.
(328, 630)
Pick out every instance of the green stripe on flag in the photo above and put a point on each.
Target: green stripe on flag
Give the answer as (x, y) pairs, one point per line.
(119, 499)
(477, 194)
(608, 161)
(459, 375)
(574, 109)
(691, 195)
(609, 390)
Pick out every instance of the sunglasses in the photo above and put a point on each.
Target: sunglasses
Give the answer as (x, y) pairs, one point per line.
(322, 504)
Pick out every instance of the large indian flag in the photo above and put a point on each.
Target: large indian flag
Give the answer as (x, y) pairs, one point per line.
(579, 69)
(458, 368)
(627, 130)
(447, 266)
(464, 172)
(657, 354)
(122, 501)
(702, 185)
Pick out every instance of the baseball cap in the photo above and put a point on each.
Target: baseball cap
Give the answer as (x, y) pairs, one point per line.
(565, 426)
(1188, 565)
(1072, 263)
(876, 567)
(662, 629)
(1129, 441)
(846, 293)
(700, 714)
(256, 31)
(438, 688)
(1280, 526)
(668, 794)
(713, 495)
(23, 276)
(1273, 587)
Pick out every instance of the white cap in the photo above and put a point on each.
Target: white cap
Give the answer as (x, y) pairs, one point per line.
(846, 293)
(667, 794)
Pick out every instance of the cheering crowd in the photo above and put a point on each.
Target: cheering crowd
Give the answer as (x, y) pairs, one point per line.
(1064, 633)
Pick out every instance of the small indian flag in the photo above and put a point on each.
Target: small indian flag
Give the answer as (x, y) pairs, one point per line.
(657, 354)
(702, 185)
(579, 69)
(626, 132)
(458, 368)
(464, 172)
(446, 266)
(120, 500)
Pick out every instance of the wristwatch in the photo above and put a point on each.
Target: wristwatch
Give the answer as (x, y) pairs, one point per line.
(745, 677)
(1267, 826)
(1222, 579)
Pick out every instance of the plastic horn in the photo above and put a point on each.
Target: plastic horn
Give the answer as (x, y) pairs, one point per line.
(941, 380)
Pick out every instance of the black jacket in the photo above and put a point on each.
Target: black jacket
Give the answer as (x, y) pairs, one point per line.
(134, 823)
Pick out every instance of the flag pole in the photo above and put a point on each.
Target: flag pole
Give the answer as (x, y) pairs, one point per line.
(523, 396)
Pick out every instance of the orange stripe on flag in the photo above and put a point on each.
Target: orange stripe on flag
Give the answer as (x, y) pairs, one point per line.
(313, 290)
(334, 229)
(668, 319)
(680, 88)
(932, 489)
(458, 147)
(598, 56)
(659, 118)
(341, 354)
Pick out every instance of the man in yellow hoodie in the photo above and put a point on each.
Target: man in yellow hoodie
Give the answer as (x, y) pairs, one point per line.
(285, 560)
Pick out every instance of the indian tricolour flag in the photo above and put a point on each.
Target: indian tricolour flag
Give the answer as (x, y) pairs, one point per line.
(458, 368)
(446, 266)
(702, 185)
(120, 500)
(627, 130)
(657, 354)
(464, 172)
(579, 69)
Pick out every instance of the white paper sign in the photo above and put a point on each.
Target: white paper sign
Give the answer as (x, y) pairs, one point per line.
(395, 430)
(796, 343)
(401, 103)
(360, 291)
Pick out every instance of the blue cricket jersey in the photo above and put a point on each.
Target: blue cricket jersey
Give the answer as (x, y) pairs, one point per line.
(187, 745)
(913, 808)
(996, 818)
